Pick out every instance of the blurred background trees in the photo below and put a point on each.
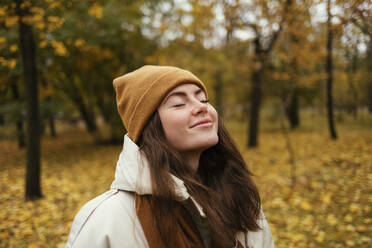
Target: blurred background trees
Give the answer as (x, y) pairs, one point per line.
(252, 55)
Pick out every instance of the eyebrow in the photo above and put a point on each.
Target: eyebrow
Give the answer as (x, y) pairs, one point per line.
(182, 94)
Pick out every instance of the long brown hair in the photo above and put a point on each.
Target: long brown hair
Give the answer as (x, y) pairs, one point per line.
(222, 186)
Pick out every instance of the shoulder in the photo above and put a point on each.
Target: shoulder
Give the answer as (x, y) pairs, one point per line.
(119, 203)
(105, 221)
(259, 239)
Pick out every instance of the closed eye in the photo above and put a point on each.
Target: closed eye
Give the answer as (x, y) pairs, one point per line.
(178, 105)
(182, 104)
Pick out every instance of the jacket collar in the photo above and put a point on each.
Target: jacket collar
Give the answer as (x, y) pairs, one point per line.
(133, 174)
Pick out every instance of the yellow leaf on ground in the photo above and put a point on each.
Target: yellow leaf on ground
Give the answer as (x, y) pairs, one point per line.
(305, 205)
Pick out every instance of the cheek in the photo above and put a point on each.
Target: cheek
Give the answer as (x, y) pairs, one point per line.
(173, 125)
(214, 115)
(171, 122)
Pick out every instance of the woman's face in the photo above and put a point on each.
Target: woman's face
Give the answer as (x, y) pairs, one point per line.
(190, 123)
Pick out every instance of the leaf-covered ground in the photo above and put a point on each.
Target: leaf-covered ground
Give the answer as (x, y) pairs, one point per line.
(330, 205)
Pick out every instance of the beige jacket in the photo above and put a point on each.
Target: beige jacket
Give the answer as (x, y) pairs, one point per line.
(110, 220)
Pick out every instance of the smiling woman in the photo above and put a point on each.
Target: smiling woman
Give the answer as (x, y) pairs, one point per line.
(189, 122)
(180, 180)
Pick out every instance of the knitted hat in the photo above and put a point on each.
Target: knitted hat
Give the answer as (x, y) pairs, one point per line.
(139, 93)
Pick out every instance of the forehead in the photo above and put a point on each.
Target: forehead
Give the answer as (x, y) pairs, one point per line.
(188, 87)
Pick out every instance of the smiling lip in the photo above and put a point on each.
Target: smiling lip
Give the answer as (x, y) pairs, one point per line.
(204, 123)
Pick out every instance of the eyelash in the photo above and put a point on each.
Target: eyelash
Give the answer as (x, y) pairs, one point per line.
(179, 105)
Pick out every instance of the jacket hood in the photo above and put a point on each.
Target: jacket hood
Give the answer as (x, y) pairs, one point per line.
(133, 174)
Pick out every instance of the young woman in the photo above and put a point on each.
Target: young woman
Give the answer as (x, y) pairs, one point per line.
(180, 180)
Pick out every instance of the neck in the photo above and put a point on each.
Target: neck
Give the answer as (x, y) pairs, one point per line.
(192, 159)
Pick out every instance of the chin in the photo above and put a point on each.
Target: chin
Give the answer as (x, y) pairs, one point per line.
(206, 142)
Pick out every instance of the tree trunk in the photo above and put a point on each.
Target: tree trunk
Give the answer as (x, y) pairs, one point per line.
(292, 110)
(20, 134)
(261, 56)
(104, 111)
(351, 72)
(112, 119)
(86, 113)
(52, 127)
(369, 76)
(329, 69)
(255, 107)
(88, 116)
(258, 69)
(19, 123)
(33, 188)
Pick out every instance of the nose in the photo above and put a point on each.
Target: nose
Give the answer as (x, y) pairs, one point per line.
(199, 107)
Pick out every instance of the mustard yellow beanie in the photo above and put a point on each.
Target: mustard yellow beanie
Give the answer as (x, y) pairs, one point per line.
(139, 93)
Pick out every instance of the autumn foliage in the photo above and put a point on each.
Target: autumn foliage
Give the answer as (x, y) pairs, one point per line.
(263, 63)
(329, 207)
